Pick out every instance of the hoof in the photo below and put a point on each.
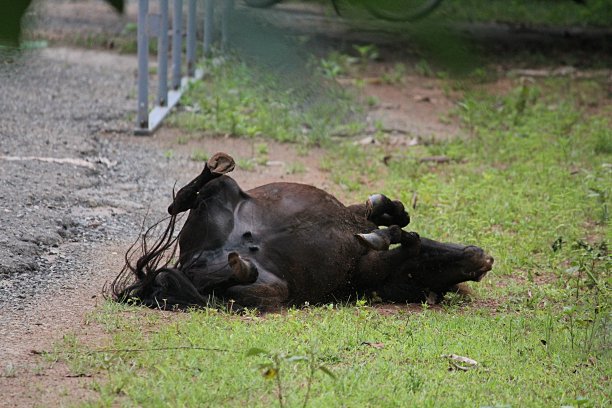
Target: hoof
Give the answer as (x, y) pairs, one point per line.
(382, 211)
(243, 271)
(374, 241)
(376, 200)
(374, 205)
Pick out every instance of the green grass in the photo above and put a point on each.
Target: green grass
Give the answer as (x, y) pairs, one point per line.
(210, 365)
(199, 155)
(531, 184)
(243, 99)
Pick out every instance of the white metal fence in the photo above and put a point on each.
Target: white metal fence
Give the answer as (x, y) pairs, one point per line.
(157, 25)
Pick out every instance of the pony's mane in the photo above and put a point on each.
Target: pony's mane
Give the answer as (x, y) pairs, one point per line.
(144, 262)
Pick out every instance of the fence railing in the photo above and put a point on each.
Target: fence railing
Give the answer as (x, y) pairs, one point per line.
(157, 25)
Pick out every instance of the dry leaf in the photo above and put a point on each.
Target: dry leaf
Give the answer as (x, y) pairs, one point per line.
(373, 344)
(455, 359)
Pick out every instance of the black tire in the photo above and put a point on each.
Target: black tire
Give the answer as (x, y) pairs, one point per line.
(261, 3)
(401, 10)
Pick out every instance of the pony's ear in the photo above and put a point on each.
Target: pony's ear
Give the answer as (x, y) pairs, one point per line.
(219, 164)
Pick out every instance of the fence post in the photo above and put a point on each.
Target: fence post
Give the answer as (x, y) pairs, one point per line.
(177, 44)
(162, 55)
(156, 25)
(143, 64)
(191, 38)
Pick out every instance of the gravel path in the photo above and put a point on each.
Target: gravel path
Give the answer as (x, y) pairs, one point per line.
(67, 183)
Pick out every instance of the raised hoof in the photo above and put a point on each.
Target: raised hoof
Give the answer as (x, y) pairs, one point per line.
(221, 163)
(242, 270)
(374, 204)
(374, 241)
(376, 199)
(382, 211)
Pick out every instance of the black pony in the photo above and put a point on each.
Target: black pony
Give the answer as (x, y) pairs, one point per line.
(288, 243)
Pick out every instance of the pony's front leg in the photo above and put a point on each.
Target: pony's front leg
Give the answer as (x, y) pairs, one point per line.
(379, 263)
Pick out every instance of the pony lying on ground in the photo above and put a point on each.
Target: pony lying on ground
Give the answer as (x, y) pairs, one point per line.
(286, 244)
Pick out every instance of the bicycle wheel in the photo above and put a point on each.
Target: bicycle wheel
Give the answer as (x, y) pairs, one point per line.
(261, 3)
(401, 10)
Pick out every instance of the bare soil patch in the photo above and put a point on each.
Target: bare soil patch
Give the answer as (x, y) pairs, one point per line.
(415, 108)
(280, 157)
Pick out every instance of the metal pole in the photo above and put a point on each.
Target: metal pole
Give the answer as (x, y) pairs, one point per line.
(177, 32)
(208, 26)
(143, 65)
(162, 55)
(191, 38)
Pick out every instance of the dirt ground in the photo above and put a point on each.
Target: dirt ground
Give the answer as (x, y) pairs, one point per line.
(75, 184)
